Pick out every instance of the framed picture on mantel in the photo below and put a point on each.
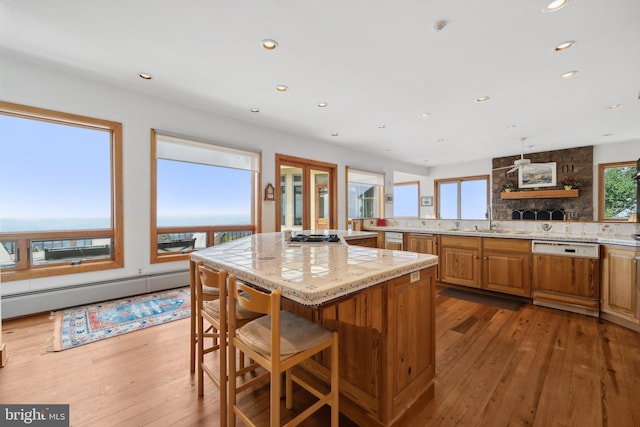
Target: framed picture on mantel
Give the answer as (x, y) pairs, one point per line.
(536, 175)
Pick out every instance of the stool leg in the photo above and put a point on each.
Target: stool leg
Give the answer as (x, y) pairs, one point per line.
(288, 389)
(335, 379)
(276, 386)
(194, 313)
(200, 358)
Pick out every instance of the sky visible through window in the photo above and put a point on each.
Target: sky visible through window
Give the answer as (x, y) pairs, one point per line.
(54, 177)
(195, 194)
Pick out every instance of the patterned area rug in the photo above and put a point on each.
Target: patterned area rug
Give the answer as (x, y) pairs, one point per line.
(82, 325)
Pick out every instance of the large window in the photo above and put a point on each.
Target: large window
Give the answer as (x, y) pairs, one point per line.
(61, 209)
(202, 195)
(364, 194)
(462, 198)
(406, 199)
(617, 196)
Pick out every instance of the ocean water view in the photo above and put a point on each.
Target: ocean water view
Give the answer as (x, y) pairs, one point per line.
(8, 225)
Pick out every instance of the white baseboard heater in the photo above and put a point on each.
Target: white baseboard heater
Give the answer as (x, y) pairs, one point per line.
(87, 293)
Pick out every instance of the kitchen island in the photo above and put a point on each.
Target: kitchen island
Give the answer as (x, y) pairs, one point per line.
(381, 302)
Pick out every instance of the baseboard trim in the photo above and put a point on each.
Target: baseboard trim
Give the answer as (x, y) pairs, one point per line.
(17, 305)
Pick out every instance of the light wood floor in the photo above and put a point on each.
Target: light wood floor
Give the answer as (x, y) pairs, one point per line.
(533, 367)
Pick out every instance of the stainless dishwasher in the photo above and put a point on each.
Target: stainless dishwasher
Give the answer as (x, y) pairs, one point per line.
(566, 276)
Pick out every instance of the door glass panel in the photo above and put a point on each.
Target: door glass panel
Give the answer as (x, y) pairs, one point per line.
(291, 198)
(320, 204)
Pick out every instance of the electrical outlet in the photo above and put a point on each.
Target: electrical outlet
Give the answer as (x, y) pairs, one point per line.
(415, 276)
(139, 271)
(567, 228)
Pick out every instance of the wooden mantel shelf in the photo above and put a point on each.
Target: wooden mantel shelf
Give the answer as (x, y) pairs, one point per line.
(539, 194)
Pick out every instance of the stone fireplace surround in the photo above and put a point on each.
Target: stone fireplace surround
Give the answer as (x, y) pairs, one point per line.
(572, 161)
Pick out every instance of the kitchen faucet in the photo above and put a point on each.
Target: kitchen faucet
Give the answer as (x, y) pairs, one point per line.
(490, 217)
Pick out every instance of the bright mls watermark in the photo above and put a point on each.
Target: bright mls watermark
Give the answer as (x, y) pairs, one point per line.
(34, 415)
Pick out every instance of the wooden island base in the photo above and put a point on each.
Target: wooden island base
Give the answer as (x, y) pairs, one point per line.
(387, 348)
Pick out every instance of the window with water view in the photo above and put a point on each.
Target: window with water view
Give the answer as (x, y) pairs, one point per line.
(204, 195)
(60, 205)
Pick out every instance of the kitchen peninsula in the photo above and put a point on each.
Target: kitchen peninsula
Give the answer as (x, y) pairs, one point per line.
(381, 302)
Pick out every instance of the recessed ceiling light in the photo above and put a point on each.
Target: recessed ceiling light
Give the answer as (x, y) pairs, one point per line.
(269, 44)
(425, 114)
(425, 161)
(282, 88)
(145, 76)
(255, 110)
(614, 107)
(569, 74)
(565, 45)
(387, 150)
(482, 99)
(322, 104)
(439, 141)
(335, 134)
(608, 134)
(556, 5)
(511, 126)
(382, 126)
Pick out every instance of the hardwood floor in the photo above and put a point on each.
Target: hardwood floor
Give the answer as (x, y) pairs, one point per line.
(494, 367)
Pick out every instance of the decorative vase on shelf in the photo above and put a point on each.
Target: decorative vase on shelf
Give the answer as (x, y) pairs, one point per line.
(568, 187)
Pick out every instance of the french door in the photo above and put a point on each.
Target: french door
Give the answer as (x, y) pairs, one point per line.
(306, 196)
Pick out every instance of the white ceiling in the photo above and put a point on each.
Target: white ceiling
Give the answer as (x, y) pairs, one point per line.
(375, 62)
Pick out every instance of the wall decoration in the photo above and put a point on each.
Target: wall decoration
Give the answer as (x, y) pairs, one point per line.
(426, 201)
(537, 175)
(269, 192)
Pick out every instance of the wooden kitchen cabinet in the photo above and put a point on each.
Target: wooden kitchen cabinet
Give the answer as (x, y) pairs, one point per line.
(368, 242)
(567, 280)
(423, 244)
(620, 301)
(506, 266)
(459, 260)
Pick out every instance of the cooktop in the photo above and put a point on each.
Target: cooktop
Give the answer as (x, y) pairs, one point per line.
(315, 238)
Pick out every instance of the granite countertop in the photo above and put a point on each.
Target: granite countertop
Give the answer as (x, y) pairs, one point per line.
(582, 236)
(311, 273)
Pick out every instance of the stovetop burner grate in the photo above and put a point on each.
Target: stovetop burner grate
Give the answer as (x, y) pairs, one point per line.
(315, 238)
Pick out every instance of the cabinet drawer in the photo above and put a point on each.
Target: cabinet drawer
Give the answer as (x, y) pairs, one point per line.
(506, 245)
(460, 241)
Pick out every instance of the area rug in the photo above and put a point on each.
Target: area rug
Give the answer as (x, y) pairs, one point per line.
(489, 300)
(86, 324)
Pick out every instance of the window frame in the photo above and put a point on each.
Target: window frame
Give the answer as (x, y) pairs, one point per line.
(459, 180)
(210, 230)
(601, 195)
(23, 269)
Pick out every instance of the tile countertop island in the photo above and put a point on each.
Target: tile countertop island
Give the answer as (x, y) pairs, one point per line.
(311, 273)
(381, 302)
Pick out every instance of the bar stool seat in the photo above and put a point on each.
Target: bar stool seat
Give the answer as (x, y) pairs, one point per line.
(296, 334)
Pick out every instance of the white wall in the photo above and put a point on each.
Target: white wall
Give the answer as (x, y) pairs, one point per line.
(45, 86)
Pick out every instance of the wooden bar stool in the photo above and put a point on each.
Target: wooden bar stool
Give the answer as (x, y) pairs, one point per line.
(214, 312)
(277, 342)
(209, 294)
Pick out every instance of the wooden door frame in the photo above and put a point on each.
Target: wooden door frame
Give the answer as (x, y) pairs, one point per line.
(306, 165)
